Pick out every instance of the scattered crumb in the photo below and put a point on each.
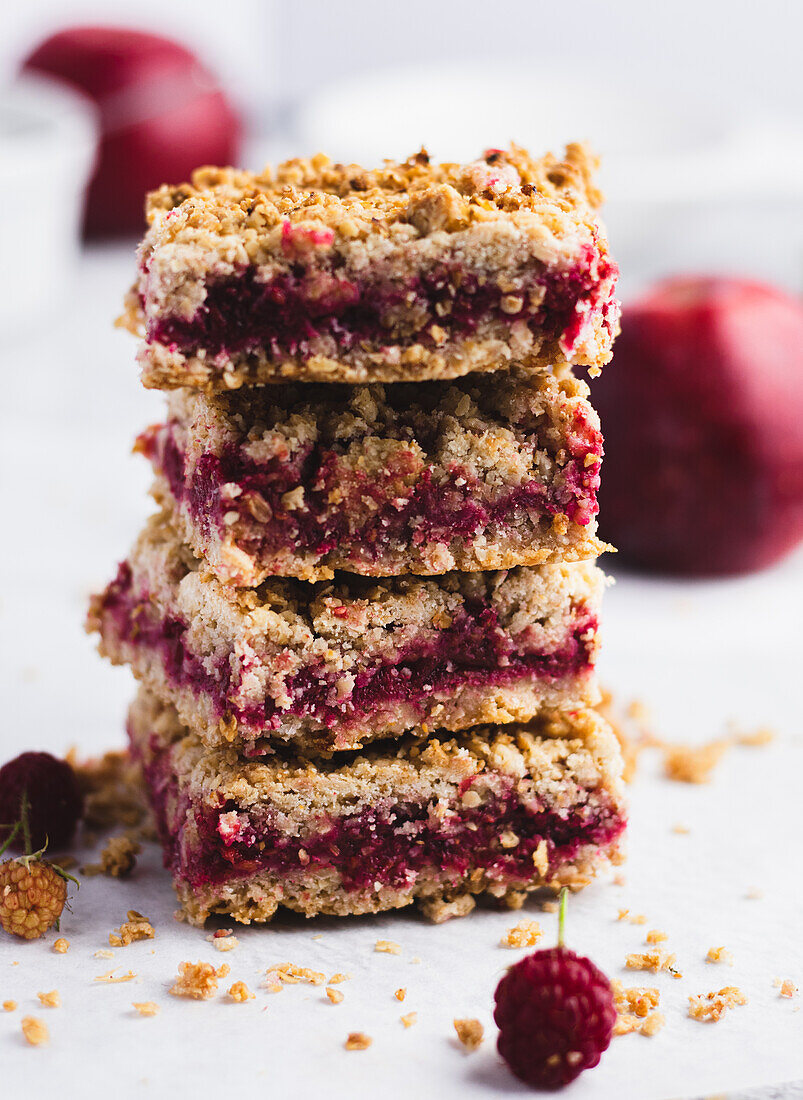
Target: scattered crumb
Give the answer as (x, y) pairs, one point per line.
(387, 947)
(526, 933)
(619, 880)
(9, 1006)
(631, 731)
(109, 977)
(334, 995)
(693, 764)
(656, 936)
(51, 999)
(409, 1019)
(289, 974)
(713, 1006)
(681, 830)
(753, 893)
(652, 960)
(119, 858)
(61, 946)
(549, 907)
(112, 790)
(136, 927)
(415, 959)
(103, 953)
(756, 738)
(197, 980)
(400, 994)
(35, 1031)
(636, 918)
(469, 1032)
(635, 1009)
(719, 955)
(240, 992)
(438, 909)
(337, 978)
(358, 1040)
(224, 943)
(146, 1008)
(786, 987)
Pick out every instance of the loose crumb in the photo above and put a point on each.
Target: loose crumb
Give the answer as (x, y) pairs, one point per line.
(337, 978)
(35, 1031)
(109, 977)
(387, 947)
(786, 987)
(9, 1006)
(415, 959)
(400, 994)
(197, 980)
(240, 992)
(526, 933)
(753, 893)
(289, 974)
(635, 1010)
(103, 954)
(656, 936)
(756, 738)
(112, 789)
(119, 858)
(136, 927)
(51, 999)
(653, 960)
(409, 1019)
(334, 995)
(693, 764)
(549, 907)
(146, 1008)
(61, 946)
(223, 940)
(681, 830)
(469, 1032)
(619, 880)
(635, 918)
(719, 955)
(713, 1006)
(358, 1040)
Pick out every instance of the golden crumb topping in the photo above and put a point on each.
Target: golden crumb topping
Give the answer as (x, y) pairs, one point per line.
(146, 1008)
(358, 1040)
(526, 933)
(693, 764)
(51, 999)
(470, 1032)
(387, 947)
(719, 955)
(653, 960)
(118, 858)
(61, 946)
(135, 927)
(334, 995)
(410, 1019)
(198, 980)
(240, 992)
(35, 1031)
(289, 974)
(713, 1006)
(635, 1009)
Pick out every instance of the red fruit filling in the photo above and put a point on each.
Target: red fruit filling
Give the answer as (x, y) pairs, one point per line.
(362, 514)
(390, 843)
(284, 315)
(471, 652)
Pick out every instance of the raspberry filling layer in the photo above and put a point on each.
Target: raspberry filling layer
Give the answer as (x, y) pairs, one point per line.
(390, 843)
(292, 311)
(346, 509)
(470, 653)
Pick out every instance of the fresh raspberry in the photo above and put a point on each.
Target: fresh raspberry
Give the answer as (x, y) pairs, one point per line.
(54, 801)
(32, 896)
(555, 1013)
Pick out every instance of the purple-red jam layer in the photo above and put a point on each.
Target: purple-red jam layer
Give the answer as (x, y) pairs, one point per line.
(390, 511)
(390, 843)
(472, 652)
(286, 314)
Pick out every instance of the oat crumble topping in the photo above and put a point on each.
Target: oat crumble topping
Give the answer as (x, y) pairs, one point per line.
(136, 927)
(290, 974)
(526, 933)
(653, 960)
(51, 999)
(387, 947)
(198, 980)
(35, 1031)
(656, 936)
(334, 995)
(61, 946)
(9, 1006)
(227, 942)
(358, 1040)
(693, 764)
(118, 858)
(146, 1008)
(786, 987)
(713, 1006)
(240, 992)
(469, 1032)
(409, 1019)
(635, 1008)
(337, 978)
(719, 955)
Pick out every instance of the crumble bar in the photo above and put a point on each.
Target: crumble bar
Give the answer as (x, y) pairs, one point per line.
(410, 271)
(416, 820)
(331, 666)
(299, 480)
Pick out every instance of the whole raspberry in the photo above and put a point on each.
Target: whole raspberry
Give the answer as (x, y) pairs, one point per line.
(54, 801)
(32, 896)
(555, 1013)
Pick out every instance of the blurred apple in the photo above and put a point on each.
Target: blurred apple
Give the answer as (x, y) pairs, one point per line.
(161, 115)
(702, 412)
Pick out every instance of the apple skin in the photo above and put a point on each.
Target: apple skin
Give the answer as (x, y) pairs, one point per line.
(702, 414)
(161, 115)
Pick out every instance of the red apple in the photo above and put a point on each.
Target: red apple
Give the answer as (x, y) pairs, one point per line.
(702, 412)
(161, 115)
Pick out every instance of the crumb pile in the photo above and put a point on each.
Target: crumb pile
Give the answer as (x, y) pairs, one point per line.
(365, 618)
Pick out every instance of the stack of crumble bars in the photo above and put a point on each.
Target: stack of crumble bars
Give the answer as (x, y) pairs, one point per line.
(365, 619)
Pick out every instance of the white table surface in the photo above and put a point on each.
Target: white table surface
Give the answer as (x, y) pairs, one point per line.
(698, 654)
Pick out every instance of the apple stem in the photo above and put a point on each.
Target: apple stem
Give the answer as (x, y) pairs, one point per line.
(564, 898)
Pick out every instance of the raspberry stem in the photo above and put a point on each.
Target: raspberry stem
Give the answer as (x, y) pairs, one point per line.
(15, 828)
(564, 899)
(26, 828)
